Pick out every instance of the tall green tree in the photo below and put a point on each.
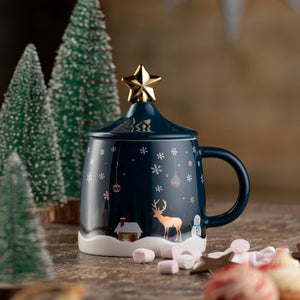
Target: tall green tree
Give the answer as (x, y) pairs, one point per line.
(27, 127)
(82, 89)
(23, 256)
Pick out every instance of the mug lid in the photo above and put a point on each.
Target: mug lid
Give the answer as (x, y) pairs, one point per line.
(142, 120)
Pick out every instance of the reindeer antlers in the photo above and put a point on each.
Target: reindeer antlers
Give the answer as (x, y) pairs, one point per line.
(154, 205)
(157, 209)
(165, 205)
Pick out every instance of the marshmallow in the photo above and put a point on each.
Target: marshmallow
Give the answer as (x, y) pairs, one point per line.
(185, 261)
(142, 255)
(167, 267)
(268, 249)
(194, 252)
(239, 246)
(168, 251)
(240, 258)
(261, 262)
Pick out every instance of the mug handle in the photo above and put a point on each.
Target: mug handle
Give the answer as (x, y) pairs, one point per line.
(241, 202)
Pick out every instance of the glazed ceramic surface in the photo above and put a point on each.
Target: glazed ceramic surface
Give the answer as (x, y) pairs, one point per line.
(143, 186)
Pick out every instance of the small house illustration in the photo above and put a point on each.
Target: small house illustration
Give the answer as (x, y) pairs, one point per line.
(128, 231)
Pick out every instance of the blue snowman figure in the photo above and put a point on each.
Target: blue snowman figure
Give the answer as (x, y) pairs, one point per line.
(196, 230)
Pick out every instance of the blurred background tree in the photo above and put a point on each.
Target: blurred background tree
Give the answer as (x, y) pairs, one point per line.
(244, 97)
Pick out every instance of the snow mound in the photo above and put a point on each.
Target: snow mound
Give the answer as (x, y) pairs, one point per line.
(109, 246)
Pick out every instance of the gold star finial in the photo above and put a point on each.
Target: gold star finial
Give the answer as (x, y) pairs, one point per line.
(141, 85)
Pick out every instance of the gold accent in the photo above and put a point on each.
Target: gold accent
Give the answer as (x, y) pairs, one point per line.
(143, 126)
(141, 85)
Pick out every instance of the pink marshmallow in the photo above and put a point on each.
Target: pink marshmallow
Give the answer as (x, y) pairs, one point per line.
(259, 255)
(240, 246)
(258, 259)
(193, 252)
(261, 262)
(167, 267)
(143, 256)
(168, 251)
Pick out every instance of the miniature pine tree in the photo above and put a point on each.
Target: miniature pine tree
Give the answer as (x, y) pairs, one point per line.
(27, 127)
(23, 256)
(82, 89)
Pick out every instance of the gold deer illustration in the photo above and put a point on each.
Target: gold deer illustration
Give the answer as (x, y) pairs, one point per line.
(167, 222)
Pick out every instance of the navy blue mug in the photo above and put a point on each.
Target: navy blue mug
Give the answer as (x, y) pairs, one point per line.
(143, 185)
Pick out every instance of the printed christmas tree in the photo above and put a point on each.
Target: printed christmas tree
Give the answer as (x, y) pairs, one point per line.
(82, 89)
(23, 256)
(26, 126)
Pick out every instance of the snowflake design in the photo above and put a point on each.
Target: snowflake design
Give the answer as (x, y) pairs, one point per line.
(106, 195)
(113, 149)
(174, 151)
(194, 149)
(160, 155)
(192, 199)
(89, 177)
(102, 151)
(143, 150)
(101, 176)
(189, 177)
(156, 169)
(202, 179)
(158, 188)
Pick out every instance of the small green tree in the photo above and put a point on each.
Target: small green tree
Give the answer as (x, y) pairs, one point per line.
(82, 89)
(27, 127)
(23, 256)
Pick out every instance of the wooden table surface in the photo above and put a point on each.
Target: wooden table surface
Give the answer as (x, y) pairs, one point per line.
(121, 278)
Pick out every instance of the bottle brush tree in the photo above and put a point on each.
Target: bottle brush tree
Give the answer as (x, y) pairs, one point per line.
(23, 256)
(82, 89)
(27, 127)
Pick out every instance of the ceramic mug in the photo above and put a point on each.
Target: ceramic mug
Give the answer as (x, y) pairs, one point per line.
(143, 184)
(147, 193)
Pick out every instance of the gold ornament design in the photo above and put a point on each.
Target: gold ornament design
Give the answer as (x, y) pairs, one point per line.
(116, 187)
(106, 195)
(141, 85)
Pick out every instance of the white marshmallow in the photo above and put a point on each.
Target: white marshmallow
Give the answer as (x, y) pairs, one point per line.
(240, 258)
(185, 261)
(268, 249)
(168, 251)
(194, 252)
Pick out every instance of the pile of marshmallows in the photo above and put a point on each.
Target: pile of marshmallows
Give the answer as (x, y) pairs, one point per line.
(176, 258)
(188, 259)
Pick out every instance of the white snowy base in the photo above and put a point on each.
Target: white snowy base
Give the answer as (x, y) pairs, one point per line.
(108, 246)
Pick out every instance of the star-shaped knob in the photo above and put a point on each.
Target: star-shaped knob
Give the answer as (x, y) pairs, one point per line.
(141, 85)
